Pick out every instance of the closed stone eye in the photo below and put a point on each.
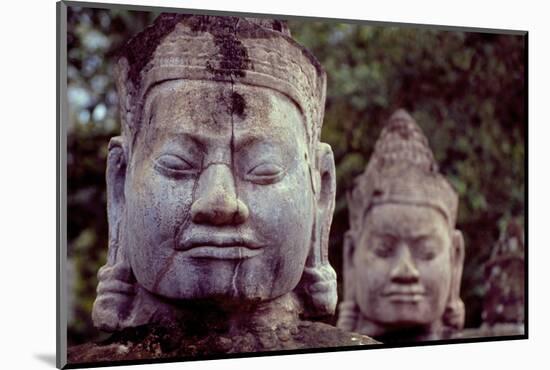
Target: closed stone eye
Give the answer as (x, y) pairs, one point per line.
(265, 173)
(384, 249)
(173, 165)
(426, 251)
(384, 252)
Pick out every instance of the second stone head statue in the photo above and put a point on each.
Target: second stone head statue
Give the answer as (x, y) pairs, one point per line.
(219, 189)
(403, 256)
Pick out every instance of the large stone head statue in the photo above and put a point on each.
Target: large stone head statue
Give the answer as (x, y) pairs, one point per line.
(403, 256)
(219, 190)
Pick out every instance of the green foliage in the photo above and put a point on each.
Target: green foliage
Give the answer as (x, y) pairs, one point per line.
(466, 91)
(93, 37)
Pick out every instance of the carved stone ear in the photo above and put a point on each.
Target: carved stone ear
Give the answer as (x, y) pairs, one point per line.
(348, 267)
(347, 316)
(115, 178)
(116, 287)
(318, 291)
(455, 312)
(326, 196)
(317, 288)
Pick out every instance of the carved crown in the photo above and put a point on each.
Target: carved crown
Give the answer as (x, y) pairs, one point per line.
(402, 169)
(252, 51)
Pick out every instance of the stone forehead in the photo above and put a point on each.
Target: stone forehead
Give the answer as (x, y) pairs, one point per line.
(258, 52)
(410, 219)
(402, 169)
(179, 107)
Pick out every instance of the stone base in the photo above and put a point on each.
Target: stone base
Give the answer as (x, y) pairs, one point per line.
(499, 330)
(157, 342)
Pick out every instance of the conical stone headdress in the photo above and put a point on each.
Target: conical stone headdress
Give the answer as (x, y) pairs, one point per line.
(403, 170)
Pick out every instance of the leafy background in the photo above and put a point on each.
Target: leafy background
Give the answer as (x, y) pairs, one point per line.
(465, 89)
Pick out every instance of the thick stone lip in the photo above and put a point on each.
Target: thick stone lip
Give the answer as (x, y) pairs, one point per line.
(224, 253)
(405, 298)
(405, 295)
(402, 292)
(218, 240)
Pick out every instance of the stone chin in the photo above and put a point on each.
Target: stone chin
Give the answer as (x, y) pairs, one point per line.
(228, 281)
(409, 315)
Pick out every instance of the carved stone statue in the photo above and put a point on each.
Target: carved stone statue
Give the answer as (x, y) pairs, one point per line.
(504, 299)
(403, 256)
(220, 194)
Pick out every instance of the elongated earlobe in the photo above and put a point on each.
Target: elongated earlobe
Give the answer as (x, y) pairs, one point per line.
(326, 197)
(317, 288)
(116, 287)
(455, 311)
(347, 316)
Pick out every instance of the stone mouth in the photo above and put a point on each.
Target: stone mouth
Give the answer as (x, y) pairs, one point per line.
(218, 239)
(412, 294)
(233, 252)
(220, 246)
(405, 298)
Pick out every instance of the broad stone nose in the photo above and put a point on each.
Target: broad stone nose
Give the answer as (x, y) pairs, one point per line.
(405, 271)
(216, 200)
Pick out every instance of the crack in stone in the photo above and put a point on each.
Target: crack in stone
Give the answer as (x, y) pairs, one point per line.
(177, 236)
(164, 271)
(232, 147)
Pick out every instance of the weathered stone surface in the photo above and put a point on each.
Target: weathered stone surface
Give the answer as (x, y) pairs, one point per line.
(504, 301)
(220, 193)
(403, 256)
(153, 341)
(504, 297)
(495, 330)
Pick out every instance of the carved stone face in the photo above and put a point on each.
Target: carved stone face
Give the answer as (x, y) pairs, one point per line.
(403, 262)
(218, 193)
